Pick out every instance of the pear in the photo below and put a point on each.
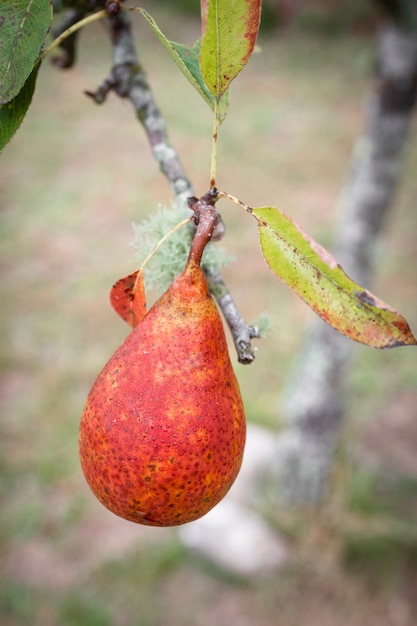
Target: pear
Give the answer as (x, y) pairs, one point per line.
(163, 430)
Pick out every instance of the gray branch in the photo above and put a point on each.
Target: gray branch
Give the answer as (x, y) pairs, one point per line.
(315, 399)
(128, 80)
(242, 333)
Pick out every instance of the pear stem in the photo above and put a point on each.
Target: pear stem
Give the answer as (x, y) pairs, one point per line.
(205, 216)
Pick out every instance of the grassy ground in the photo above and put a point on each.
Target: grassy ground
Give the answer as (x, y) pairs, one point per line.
(73, 180)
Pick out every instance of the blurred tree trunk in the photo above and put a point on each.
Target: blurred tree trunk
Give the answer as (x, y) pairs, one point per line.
(315, 398)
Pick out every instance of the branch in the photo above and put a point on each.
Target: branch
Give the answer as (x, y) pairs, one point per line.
(242, 333)
(402, 12)
(315, 399)
(128, 80)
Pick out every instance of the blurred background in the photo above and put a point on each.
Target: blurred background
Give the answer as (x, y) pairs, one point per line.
(73, 180)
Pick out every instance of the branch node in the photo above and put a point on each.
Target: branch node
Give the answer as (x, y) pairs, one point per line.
(100, 94)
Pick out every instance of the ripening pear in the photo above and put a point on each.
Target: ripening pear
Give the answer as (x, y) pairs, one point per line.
(163, 430)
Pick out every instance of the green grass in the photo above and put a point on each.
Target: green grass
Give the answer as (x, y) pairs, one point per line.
(73, 180)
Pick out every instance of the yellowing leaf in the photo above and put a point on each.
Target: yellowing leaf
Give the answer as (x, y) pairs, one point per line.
(127, 297)
(312, 272)
(230, 30)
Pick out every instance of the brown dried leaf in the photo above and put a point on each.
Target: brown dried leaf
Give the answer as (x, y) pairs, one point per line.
(127, 297)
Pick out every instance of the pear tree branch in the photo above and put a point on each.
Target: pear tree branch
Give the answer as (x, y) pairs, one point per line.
(128, 80)
(242, 332)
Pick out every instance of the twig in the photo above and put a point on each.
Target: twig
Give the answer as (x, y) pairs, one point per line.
(128, 80)
(242, 332)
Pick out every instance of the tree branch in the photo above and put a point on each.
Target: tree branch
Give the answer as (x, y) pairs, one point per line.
(128, 80)
(315, 401)
(242, 333)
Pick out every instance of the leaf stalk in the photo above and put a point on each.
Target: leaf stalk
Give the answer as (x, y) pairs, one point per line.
(213, 167)
(72, 29)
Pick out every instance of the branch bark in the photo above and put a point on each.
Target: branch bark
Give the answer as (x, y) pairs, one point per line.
(128, 80)
(315, 398)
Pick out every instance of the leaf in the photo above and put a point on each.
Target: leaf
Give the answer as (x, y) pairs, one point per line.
(314, 275)
(24, 25)
(127, 297)
(190, 58)
(230, 29)
(187, 60)
(12, 113)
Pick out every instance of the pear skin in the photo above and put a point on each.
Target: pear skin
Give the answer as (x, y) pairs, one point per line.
(163, 430)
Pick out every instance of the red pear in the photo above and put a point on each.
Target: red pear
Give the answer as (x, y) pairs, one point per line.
(163, 431)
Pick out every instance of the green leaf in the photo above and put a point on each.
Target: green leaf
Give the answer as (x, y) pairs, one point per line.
(230, 31)
(190, 58)
(314, 275)
(187, 60)
(24, 25)
(12, 113)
